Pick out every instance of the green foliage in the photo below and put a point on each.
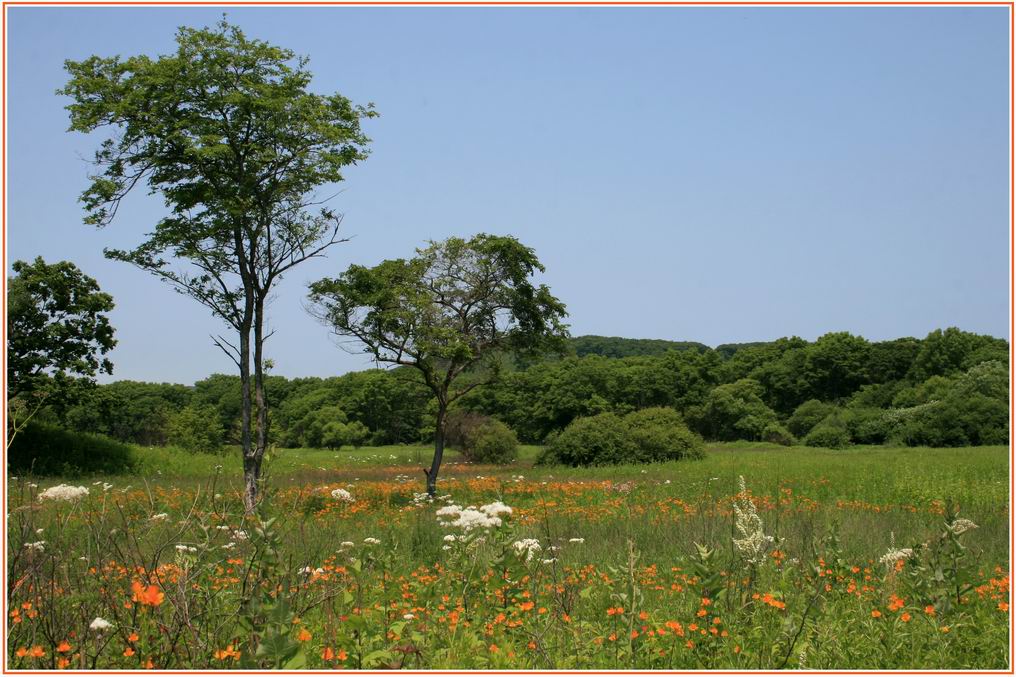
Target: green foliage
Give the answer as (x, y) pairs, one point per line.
(777, 434)
(604, 439)
(44, 449)
(197, 429)
(493, 442)
(56, 324)
(807, 416)
(830, 433)
(660, 434)
(614, 346)
(735, 411)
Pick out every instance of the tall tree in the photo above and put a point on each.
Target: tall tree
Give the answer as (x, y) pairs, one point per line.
(57, 335)
(452, 312)
(227, 132)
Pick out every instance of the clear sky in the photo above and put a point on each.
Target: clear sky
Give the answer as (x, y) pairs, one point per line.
(707, 174)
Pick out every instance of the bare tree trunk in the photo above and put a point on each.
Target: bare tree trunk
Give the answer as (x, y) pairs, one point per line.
(260, 400)
(439, 443)
(250, 467)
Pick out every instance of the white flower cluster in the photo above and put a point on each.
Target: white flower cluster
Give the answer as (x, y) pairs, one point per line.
(38, 546)
(346, 544)
(754, 545)
(162, 516)
(485, 517)
(308, 571)
(63, 492)
(100, 624)
(961, 526)
(342, 495)
(894, 554)
(527, 547)
(576, 540)
(371, 541)
(186, 548)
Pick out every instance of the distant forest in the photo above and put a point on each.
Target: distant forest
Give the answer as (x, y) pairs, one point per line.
(950, 388)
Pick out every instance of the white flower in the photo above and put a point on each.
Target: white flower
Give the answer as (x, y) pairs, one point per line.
(446, 547)
(106, 486)
(346, 544)
(100, 624)
(342, 495)
(38, 546)
(527, 547)
(576, 540)
(754, 545)
(223, 527)
(240, 535)
(229, 546)
(408, 617)
(39, 531)
(162, 516)
(185, 548)
(371, 541)
(63, 492)
(449, 538)
(960, 526)
(894, 554)
(549, 561)
(496, 509)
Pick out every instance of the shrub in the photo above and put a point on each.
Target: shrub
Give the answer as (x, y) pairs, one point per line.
(480, 438)
(660, 434)
(774, 433)
(49, 450)
(197, 429)
(604, 439)
(807, 416)
(831, 434)
(493, 443)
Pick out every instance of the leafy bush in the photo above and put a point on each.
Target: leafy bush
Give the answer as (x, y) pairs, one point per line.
(480, 438)
(807, 416)
(336, 435)
(493, 443)
(197, 429)
(775, 433)
(49, 450)
(659, 433)
(646, 436)
(604, 439)
(831, 434)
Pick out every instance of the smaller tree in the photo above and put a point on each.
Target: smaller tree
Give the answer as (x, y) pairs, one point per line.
(452, 312)
(196, 428)
(57, 333)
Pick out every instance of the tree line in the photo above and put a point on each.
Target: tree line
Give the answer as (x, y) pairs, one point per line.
(949, 389)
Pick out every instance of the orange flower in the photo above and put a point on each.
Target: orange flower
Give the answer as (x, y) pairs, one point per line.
(615, 611)
(304, 636)
(905, 617)
(945, 628)
(327, 654)
(38, 652)
(930, 610)
(343, 655)
(643, 615)
(133, 637)
(876, 614)
(1003, 606)
(493, 648)
(149, 596)
(62, 663)
(701, 612)
(128, 652)
(63, 647)
(21, 652)
(527, 606)
(228, 652)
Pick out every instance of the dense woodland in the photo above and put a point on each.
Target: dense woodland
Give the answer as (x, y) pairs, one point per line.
(949, 389)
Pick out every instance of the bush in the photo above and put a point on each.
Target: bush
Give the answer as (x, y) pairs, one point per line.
(45, 449)
(774, 433)
(493, 443)
(828, 434)
(807, 416)
(481, 439)
(197, 429)
(604, 439)
(659, 433)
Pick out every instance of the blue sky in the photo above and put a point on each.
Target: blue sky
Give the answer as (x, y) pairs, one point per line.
(707, 174)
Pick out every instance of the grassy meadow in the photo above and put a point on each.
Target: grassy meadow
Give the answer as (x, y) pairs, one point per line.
(861, 558)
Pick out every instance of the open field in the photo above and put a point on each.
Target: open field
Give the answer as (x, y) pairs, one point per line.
(612, 577)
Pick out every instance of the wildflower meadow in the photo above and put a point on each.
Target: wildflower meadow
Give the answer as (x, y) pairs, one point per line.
(757, 557)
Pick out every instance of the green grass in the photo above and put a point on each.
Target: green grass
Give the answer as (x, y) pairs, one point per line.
(833, 514)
